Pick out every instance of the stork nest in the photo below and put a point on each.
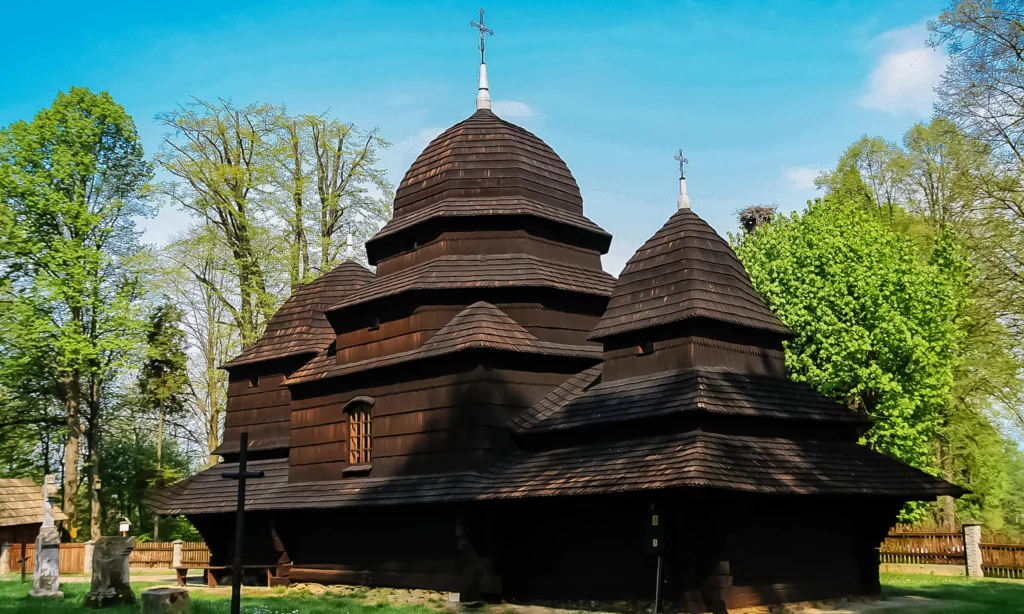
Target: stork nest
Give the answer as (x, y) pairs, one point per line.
(753, 217)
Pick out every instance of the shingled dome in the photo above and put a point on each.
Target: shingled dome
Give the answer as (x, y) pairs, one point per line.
(484, 157)
(686, 270)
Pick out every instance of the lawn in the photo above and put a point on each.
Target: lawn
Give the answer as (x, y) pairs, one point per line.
(956, 596)
(14, 599)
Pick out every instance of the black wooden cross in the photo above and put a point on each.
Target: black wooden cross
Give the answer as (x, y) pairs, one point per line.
(241, 475)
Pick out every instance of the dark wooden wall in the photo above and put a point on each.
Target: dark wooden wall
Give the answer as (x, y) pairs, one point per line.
(448, 422)
(263, 409)
(19, 534)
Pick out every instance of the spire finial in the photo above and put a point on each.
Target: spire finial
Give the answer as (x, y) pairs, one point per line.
(683, 202)
(483, 95)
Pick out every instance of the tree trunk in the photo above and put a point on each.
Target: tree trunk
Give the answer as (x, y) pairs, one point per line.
(159, 457)
(93, 438)
(72, 448)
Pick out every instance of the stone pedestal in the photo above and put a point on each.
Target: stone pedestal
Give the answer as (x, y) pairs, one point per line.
(5, 558)
(90, 549)
(46, 576)
(165, 601)
(177, 546)
(972, 549)
(111, 582)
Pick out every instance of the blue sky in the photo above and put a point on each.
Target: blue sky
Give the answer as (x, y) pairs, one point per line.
(760, 97)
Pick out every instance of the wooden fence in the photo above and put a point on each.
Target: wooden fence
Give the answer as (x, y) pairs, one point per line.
(1001, 557)
(72, 558)
(147, 555)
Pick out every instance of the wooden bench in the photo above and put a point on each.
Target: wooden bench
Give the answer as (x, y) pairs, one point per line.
(211, 578)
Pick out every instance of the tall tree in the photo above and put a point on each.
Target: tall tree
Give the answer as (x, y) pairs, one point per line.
(875, 323)
(163, 378)
(336, 192)
(71, 182)
(220, 156)
(195, 266)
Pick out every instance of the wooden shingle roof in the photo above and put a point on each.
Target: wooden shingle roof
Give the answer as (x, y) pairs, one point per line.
(583, 401)
(457, 208)
(21, 502)
(485, 157)
(479, 326)
(695, 459)
(684, 271)
(698, 459)
(478, 272)
(300, 326)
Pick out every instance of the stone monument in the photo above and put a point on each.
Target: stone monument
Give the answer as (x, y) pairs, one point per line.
(46, 576)
(165, 601)
(111, 583)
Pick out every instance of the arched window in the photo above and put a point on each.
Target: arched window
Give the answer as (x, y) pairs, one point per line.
(360, 430)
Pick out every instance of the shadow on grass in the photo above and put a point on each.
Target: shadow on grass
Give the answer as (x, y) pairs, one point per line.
(958, 594)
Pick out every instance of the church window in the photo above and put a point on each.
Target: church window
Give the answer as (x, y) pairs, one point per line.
(254, 381)
(360, 434)
(646, 348)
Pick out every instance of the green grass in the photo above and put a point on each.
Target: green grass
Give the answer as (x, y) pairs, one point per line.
(959, 595)
(956, 595)
(14, 600)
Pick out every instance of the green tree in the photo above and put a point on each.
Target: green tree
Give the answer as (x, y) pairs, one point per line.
(163, 379)
(71, 182)
(875, 322)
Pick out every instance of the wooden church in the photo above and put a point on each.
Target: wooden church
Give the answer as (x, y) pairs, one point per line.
(490, 413)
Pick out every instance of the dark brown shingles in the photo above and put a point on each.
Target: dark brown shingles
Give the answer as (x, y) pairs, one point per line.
(717, 391)
(689, 460)
(684, 271)
(488, 207)
(479, 326)
(299, 326)
(711, 460)
(485, 156)
(478, 272)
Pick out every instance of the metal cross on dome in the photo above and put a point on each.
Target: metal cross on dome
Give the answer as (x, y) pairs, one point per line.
(682, 164)
(483, 30)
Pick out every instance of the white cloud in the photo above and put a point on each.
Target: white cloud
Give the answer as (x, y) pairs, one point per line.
(512, 109)
(418, 142)
(907, 71)
(801, 177)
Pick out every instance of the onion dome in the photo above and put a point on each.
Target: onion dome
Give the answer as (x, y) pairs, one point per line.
(686, 270)
(485, 167)
(485, 157)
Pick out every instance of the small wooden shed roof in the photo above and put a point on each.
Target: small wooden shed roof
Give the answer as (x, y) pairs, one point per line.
(21, 503)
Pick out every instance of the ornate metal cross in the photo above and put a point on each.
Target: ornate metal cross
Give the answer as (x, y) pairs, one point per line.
(483, 30)
(682, 164)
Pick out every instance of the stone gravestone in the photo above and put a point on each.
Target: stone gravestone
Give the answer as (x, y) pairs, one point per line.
(46, 576)
(111, 583)
(165, 601)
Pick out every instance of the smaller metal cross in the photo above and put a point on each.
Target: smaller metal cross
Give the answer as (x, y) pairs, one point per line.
(682, 164)
(483, 29)
(241, 475)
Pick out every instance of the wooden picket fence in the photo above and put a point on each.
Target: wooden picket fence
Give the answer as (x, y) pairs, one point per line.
(1001, 556)
(147, 555)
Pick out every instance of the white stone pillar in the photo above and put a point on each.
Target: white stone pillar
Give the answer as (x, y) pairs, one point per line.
(972, 549)
(90, 548)
(176, 557)
(5, 558)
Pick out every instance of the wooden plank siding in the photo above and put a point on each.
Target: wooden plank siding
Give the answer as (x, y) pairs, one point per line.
(423, 426)
(263, 409)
